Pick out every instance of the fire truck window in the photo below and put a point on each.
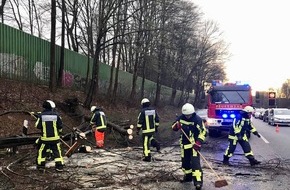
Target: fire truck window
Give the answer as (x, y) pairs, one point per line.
(235, 97)
(217, 97)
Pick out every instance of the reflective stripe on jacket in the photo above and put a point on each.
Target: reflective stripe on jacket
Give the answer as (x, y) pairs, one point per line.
(193, 127)
(99, 120)
(50, 124)
(148, 119)
(240, 127)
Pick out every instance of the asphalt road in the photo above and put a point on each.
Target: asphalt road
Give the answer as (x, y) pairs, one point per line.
(272, 149)
(274, 140)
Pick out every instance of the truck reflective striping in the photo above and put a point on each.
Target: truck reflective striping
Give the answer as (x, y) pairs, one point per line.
(224, 102)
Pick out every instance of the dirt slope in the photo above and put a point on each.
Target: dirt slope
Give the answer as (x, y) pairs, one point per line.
(17, 96)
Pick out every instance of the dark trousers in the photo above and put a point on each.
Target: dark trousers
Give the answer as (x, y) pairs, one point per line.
(56, 152)
(149, 140)
(191, 167)
(245, 146)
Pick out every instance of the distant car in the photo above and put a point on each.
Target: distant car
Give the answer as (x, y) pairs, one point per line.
(261, 114)
(279, 116)
(202, 113)
(258, 112)
(265, 115)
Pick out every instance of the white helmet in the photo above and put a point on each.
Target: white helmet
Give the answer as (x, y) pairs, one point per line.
(248, 109)
(48, 104)
(52, 104)
(93, 108)
(187, 109)
(144, 100)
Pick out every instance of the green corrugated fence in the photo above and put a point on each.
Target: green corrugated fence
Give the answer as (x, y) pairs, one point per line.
(26, 57)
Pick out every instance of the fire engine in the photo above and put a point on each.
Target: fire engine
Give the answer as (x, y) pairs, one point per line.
(225, 101)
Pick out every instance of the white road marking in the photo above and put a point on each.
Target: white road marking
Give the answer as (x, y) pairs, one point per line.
(264, 139)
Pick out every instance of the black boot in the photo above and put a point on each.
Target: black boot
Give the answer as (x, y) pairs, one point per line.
(254, 162)
(186, 178)
(59, 168)
(147, 159)
(226, 161)
(158, 148)
(198, 185)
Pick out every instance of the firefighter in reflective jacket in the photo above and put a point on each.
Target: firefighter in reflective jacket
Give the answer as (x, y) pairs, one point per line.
(99, 125)
(148, 122)
(192, 136)
(37, 144)
(238, 134)
(50, 124)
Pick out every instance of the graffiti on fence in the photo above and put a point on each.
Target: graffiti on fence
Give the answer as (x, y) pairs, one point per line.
(80, 82)
(12, 65)
(41, 72)
(67, 79)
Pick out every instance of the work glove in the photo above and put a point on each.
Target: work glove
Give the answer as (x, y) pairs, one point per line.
(178, 125)
(257, 134)
(197, 146)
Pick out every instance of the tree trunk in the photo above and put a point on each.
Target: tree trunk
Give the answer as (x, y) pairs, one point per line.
(118, 128)
(61, 64)
(173, 93)
(2, 10)
(52, 84)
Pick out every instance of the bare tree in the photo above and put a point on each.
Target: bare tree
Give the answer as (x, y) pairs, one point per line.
(120, 53)
(2, 10)
(161, 51)
(136, 59)
(52, 81)
(106, 9)
(157, 40)
(286, 88)
(15, 7)
(61, 64)
(116, 28)
(212, 54)
(71, 24)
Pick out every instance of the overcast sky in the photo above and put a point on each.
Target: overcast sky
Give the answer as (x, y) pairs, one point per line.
(258, 32)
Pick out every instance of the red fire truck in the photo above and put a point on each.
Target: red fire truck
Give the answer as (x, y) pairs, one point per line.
(224, 102)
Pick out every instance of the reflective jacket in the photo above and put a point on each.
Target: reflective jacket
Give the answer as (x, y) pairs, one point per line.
(50, 124)
(99, 120)
(193, 127)
(148, 120)
(241, 125)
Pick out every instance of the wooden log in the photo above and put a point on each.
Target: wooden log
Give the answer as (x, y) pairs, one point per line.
(73, 148)
(118, 128)
(17, 141)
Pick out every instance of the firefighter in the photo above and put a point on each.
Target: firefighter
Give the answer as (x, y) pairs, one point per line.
(238, 134)
(148, 122)
(50, 124)
(192, 136)
(99, 125)
(37, 144)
